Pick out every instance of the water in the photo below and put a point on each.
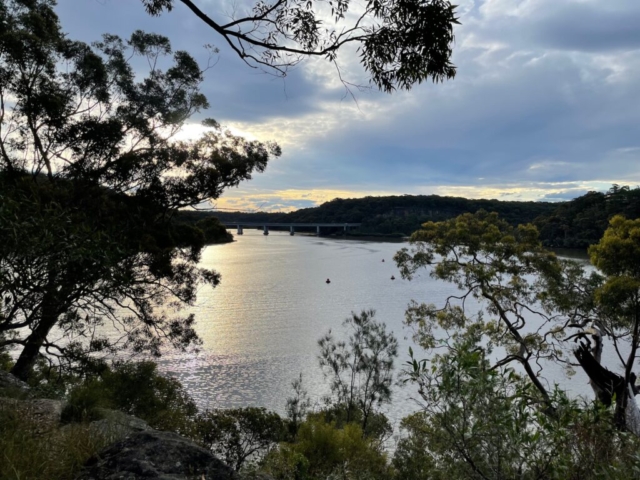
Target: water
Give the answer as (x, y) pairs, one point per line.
(260, 326)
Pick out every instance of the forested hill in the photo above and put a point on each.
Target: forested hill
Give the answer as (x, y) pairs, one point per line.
(397, 215)
(582, 221)
(577, 223)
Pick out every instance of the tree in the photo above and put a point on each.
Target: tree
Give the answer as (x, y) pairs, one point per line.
(617, 256)
(360, 370)
(499, 267)
(400, 43)
(483, 422)
(535, 303)
(91, 179)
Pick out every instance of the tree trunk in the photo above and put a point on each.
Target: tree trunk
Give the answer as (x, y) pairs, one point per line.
(29, 355)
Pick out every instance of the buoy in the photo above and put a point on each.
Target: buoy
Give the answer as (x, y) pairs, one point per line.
(383, 259)
(328, 281)
(392, 277)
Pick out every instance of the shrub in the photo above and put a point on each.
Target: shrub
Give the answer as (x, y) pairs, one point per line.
(325, 451)
(136, 389)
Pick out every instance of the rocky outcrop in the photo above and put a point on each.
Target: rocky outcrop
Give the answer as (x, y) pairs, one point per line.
(44, 414)
(157, 455)
(10, 384)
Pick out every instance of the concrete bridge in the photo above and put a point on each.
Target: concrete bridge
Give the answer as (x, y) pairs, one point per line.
(291, 226)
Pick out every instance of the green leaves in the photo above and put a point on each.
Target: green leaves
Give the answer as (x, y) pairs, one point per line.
(360, 370)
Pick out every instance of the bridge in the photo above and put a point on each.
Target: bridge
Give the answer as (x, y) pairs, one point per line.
(290, 226)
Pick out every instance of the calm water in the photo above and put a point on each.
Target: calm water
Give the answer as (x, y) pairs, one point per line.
(261, 325)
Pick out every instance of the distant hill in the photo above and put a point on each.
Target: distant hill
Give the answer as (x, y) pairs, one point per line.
(582, 221)
(396, 215)
(577, 223)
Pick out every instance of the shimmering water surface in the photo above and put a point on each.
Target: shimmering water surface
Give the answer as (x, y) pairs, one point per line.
(260, 326)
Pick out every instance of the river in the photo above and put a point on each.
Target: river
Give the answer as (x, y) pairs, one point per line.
(260, 326)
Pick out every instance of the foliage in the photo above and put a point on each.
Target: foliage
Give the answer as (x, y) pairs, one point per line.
(617, 298)
(582, 221)
(297, 407)
(483, 422)
(402, 215)
(504, 270)
(324, 451)
(361, 369)
(528, 301)
(241, 435)
(400, 43)
(378, 428)
(91, 176)
(136, 389)
(214, 231)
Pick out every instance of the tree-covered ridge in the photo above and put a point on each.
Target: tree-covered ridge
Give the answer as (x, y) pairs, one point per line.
(577, 223)
(398, 214)
(582, 221)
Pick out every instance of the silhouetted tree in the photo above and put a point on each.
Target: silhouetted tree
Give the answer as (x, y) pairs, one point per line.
(400, 43)
(90, 178)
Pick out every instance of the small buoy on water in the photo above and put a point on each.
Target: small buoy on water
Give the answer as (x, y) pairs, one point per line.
(383, 259)
(328, 281)
(392, 277)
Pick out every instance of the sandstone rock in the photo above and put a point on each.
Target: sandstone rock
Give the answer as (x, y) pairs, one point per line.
(117, 425)
(157, 455)
(10, 384)
(43, 413)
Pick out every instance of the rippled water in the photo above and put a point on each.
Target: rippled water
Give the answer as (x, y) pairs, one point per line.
(260, 326)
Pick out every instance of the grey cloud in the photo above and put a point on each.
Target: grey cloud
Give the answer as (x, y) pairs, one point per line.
(235, 91)
(587, 26)
(563, 195)
(531, 111)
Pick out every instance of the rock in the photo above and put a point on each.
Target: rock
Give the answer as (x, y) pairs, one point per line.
(157, 455)
(10, 385)
(117, 425)
(45, 414)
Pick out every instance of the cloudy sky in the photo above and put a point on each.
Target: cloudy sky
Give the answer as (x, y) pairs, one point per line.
(545, 106)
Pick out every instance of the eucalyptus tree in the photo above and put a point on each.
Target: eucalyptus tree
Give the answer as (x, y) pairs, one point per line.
(498, 266)
(530, 306)
(617, 256)
(91, 176)
(360, 369)
(399, 42)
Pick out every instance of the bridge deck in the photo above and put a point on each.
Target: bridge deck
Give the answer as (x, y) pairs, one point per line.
(271, 224)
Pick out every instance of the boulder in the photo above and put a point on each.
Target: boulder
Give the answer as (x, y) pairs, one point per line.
(10, 385)
(157, 455)
(116, 425)
(42, 412)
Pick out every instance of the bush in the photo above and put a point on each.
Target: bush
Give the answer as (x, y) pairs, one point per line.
(136, 389)
(325, 451)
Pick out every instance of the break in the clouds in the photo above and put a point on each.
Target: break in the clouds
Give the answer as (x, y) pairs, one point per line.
(545, 106)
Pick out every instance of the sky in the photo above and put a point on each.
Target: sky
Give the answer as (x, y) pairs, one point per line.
(545, 106)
